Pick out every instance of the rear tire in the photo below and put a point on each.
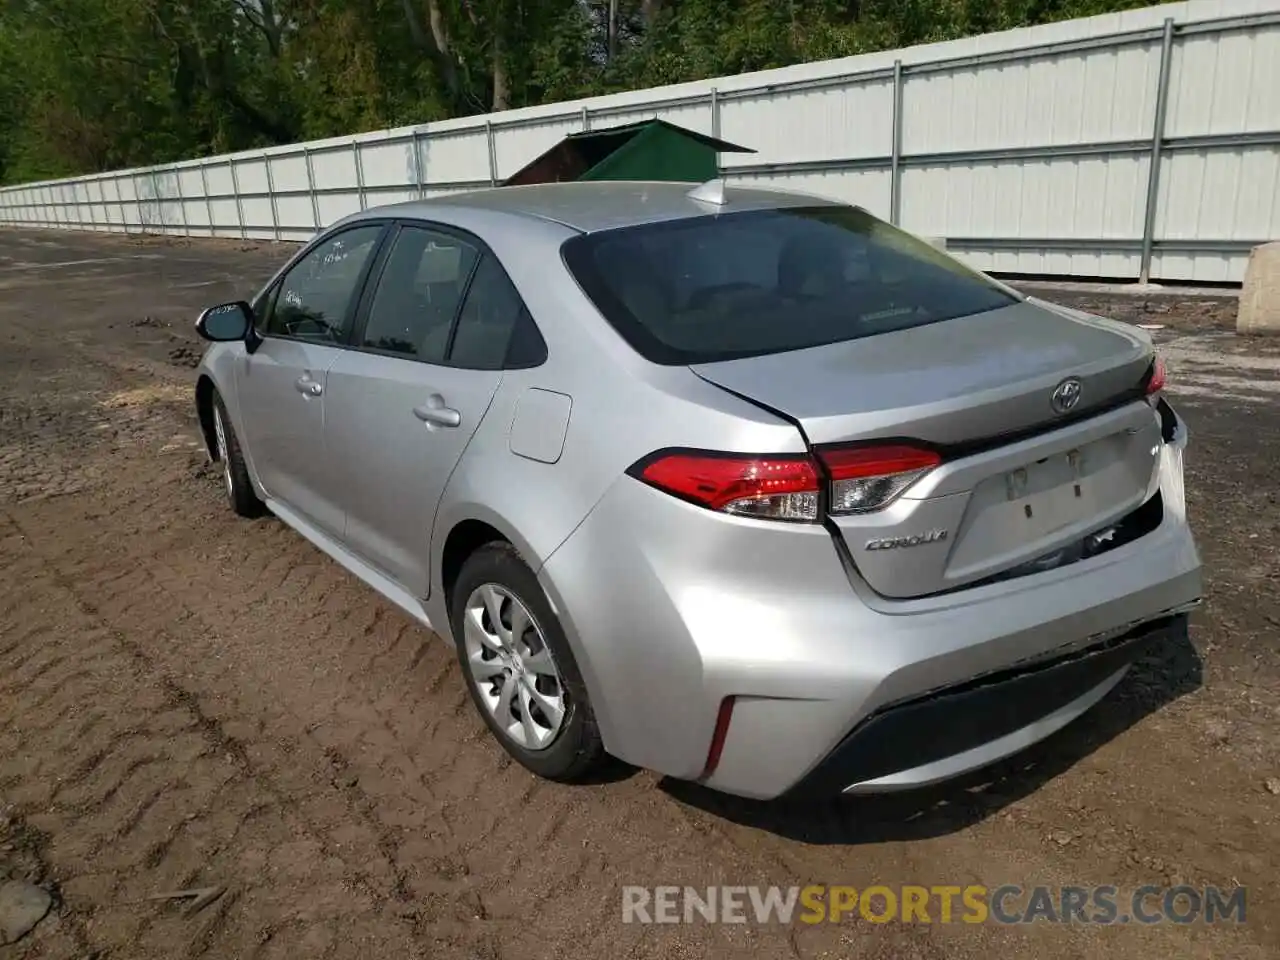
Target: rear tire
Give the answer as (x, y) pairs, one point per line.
(235, 475)
(519, 669)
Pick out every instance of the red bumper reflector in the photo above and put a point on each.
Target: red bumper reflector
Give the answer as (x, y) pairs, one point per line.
(718, 737)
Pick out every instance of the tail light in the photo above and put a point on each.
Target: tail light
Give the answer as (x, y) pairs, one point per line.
(1155, 376)
(769, 488)
(789, 487)
(864, 479)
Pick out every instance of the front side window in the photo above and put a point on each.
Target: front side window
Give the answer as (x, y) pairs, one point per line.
(418, 294)
(314, 300)
(745, 284)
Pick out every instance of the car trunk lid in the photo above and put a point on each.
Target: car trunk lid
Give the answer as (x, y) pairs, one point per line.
(1021, 480)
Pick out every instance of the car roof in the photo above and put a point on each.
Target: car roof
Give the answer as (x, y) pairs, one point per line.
(590, 206)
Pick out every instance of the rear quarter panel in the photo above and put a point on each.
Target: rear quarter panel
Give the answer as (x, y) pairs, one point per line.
(622, 408)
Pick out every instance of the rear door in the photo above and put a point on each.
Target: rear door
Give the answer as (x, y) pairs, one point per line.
(308, 317)
(404, 403)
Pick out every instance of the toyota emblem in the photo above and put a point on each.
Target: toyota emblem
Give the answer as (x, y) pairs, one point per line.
(1065, 395)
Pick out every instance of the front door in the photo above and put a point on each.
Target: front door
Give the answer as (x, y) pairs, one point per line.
(405, 402)
(281, 385)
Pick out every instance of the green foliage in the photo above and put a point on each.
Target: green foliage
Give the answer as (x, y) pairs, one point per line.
(93, 85)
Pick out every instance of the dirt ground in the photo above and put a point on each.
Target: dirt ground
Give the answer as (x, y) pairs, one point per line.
(190, 700)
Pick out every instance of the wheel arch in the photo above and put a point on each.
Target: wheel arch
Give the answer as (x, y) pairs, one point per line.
(460, 530)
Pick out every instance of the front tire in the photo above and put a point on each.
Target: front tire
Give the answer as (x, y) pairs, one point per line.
(519, 669)
(235, 474)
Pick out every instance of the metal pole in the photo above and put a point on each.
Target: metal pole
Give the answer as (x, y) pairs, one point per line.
(102, 202)
(895, 162)
(240, 204)
(586, 118)
(271, 192)
(1157, 143)
(493, 153)
(715, 122)
(417, 166)
(158, 196)
(355, 148)
(208, 204)
(137, 203)
(124, 217)
(182, 203)
(311, 189)
(235, 189)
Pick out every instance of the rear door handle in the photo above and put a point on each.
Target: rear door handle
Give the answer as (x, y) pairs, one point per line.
(309, 387)
(438, 416)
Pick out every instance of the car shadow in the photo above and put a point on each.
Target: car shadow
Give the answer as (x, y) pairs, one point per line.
(1171, 670)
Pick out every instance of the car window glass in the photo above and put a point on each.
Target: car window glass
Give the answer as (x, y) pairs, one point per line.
(315, 296)
(490, 315)
(417, 296)
(712, 288)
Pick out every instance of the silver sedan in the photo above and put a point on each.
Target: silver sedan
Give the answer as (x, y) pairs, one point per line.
(741, 486)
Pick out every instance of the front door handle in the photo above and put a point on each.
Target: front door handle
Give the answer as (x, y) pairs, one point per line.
(309, 387)
(439, 416)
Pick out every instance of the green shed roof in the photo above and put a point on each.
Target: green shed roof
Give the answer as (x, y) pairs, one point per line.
(648, 150)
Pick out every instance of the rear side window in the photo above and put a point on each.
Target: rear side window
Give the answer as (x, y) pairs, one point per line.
(494, 328)
(746, 284)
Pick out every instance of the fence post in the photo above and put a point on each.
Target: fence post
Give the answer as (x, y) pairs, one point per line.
(158, 196)
(355, 148)
(102, 201)
(895, 161)
(715, 122)
(182, 203)
(208, 203)
(493, 152)
(271, 192)
(1157, 146)
(124, 217)
(137, 204)
(417, 166)
(235, 190)
(586, 118)
(311, 188)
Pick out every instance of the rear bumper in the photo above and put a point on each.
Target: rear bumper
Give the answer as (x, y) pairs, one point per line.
(671, 609)
(971, 725)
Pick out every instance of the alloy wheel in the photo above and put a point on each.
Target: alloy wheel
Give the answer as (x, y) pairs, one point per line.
(220, 433)
(512, 667)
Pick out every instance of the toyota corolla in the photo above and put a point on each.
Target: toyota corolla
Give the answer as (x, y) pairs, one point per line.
(741, 486)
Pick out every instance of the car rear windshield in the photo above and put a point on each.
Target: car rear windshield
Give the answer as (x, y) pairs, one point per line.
(745, 284)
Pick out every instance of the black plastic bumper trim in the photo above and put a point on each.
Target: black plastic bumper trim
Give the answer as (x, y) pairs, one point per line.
(954, 719)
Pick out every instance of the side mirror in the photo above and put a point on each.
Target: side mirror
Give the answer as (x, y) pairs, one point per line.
(226, 322)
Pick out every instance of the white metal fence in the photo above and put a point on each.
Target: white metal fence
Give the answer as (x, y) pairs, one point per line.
(1137, 145)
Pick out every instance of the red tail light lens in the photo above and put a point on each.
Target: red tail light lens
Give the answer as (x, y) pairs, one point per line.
(864, 479)
(769, 488)
(1155, 379)
(788, 487)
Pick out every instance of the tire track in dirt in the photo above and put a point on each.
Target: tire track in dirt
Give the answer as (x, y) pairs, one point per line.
(157, 617)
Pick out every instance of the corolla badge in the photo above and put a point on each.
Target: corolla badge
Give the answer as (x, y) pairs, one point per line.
(919, 539)
(1065, 395)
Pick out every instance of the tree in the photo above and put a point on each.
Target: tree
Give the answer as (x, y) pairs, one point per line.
(92, 85)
